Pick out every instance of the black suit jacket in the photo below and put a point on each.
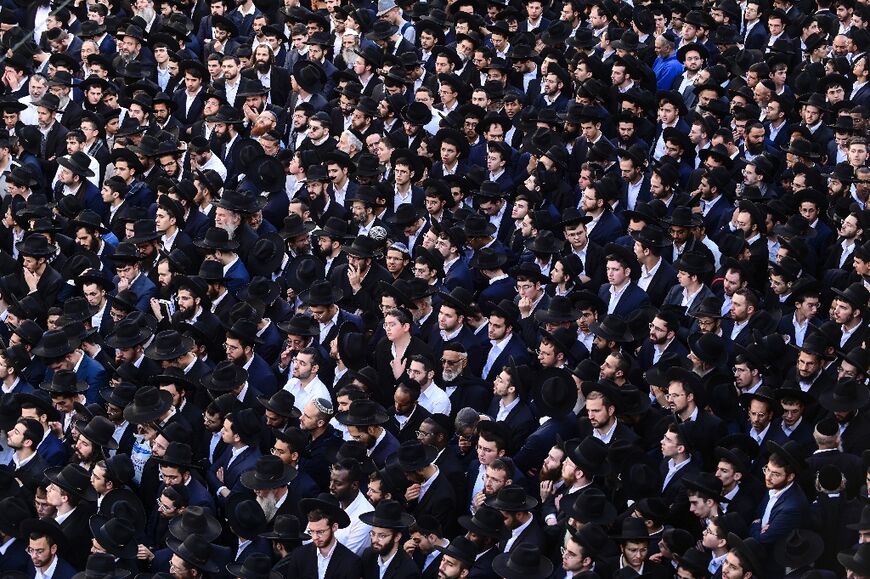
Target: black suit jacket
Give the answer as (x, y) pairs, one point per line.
(531, 534)
(409, 432)
(78, 535)
(662, 282)
(401, 567)
(439, 502)
(344, 563)
(32, 473)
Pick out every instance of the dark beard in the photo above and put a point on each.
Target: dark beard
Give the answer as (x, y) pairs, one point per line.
(182, 315)
(263, 67)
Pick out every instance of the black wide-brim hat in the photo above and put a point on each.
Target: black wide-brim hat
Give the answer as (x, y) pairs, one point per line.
(859, 561)
(106, 529)
(609, 332)
(363, 413)
(523, 562)
(47, 526)
(845, 396)
(183, 551)
(198, 520)
(65, 477)
(148, 405)
(97, 432)
(388, 515)
(329, 505)
(486, 521)
(268, 474)
(286, 528)
(788, 452)
(799, 549)
(512, 499)
(169, 345)
(256, 566)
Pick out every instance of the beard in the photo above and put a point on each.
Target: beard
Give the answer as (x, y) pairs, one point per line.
(450, 376)
(230, 229)
(258, 130)
(348, 55)
(269, 506)
(553, 474)
(262, 67)
(182, 315)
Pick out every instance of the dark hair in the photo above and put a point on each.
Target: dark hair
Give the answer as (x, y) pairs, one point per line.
(352, 467)
(314, 353)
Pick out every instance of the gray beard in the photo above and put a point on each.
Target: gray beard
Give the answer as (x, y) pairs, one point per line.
(268, 504)
(231, 229)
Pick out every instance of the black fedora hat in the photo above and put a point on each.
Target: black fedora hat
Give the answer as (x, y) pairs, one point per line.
(459, 299)
(73, 479)
(46, 526)
(245, 516)
(98, 430)
(750, 552)
(294, 226)
(286, 528)
(13, 512)
(709, 348)
(127, 334)
(486, 521)
(592, 507)
(35, 246)
(847, 395)
(270, 472)
(800, 548)
(557, 397)
(461, 549)
(590, 455)
(523, 562)
(194, 550)
(559, 310)
(281, 403)
(116, 533)
(693, 262)
(177, 454)
(225, 377)
(255, 566)
(632, 529)
(413, 455)
(216, 238)
(65, 382)
(55, 343)
(100, 566)
(791, 452)
(322, 293)
(362, 247)
(612, 328)
(856, 295)
(169, 345)
(857, 562)
(352, 349)
(512, 499)
(149, 404)
(388, 515)
(363, 412)
(488, 258)
(327, 504)
(706, 483)
(195, 520)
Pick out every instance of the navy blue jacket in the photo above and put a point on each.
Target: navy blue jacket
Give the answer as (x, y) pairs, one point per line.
(633, 298)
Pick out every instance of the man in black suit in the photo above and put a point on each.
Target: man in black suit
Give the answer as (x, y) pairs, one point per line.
(28, 465)
(71, 493)
(430, 493)
(426, 545)
(516, 508)
(324, 516)
(386, 559)
(406, 415)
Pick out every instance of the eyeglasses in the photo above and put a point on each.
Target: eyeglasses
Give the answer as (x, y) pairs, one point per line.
(772, 473)
(421, 433)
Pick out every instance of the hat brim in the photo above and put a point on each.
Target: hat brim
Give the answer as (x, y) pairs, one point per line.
(501, 565)
(137, 415)
(335, 513)
(51, 475)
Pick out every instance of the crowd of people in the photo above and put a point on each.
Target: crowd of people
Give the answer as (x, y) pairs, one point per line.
(487, 289)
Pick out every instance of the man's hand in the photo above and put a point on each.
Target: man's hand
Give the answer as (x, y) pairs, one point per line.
(413, 492)
(123, 283)
(219, 474)
(354, 278)
(56, 429)
(525, 306)
(479, 499)
(144, 554)
(398, 365)
(31, 279)
(155, 309)
(410, 546)
(546, 489)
